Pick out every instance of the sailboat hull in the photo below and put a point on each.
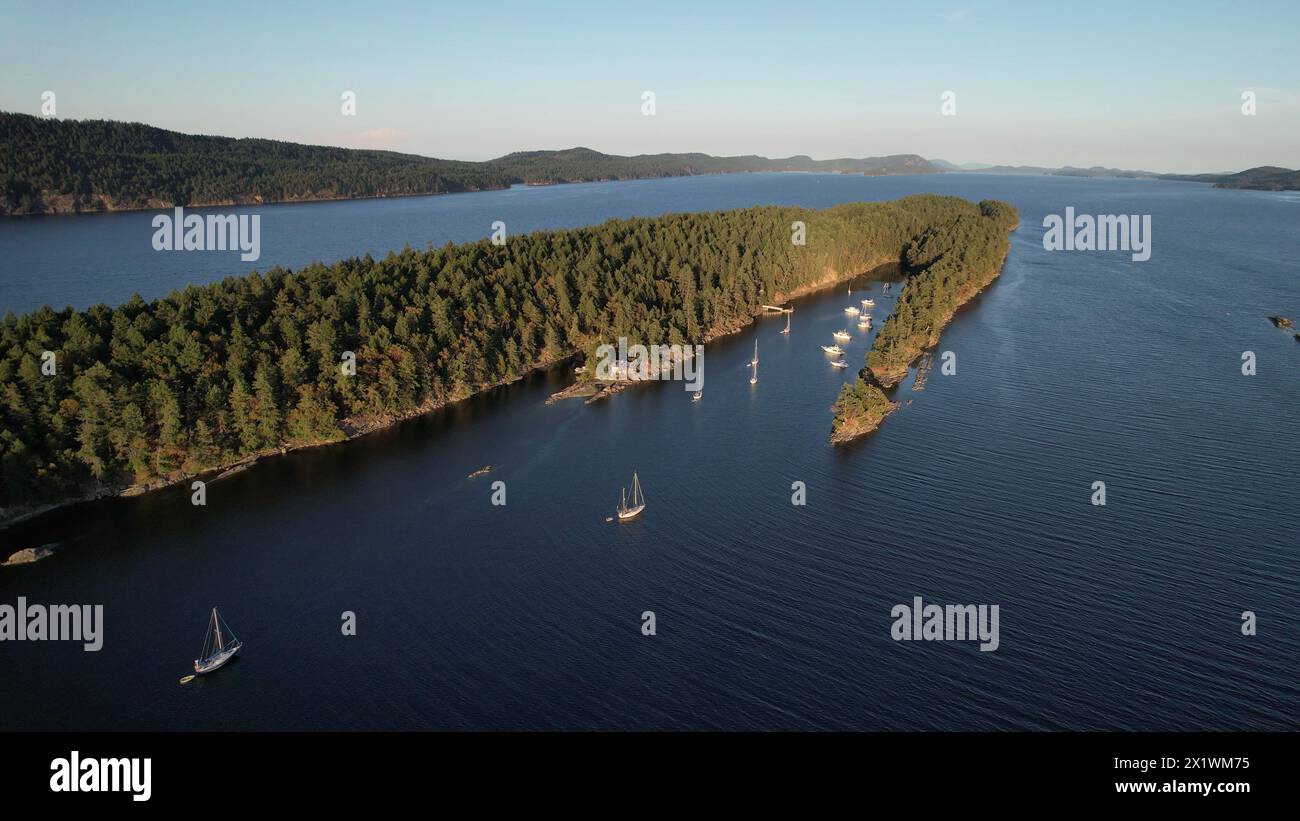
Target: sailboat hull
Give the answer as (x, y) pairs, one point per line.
(632, 513)
(211, 663)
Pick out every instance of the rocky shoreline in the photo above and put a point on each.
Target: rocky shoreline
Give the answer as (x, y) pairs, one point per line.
(30, 555)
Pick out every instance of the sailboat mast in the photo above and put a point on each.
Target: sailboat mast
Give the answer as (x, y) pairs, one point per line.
(216, 625)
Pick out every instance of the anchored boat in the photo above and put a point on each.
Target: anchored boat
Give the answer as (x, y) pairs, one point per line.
(638, 501)
(218, 647)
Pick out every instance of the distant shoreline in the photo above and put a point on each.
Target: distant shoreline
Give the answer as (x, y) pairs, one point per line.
(550, 184)
(61, 212)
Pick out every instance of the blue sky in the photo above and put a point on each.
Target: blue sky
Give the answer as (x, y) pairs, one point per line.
(1152, 85)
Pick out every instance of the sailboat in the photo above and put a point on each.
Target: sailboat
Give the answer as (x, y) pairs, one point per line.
(841, 334)
(786, 330)
(218, 647)
(697, 396)
(638, 501)
(839, 363)
(754, 361)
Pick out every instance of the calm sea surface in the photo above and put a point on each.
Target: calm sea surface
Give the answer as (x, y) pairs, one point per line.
(1071, 368)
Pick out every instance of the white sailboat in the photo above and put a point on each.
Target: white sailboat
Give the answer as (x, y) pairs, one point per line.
(697, 396)
(833, 349)
(754, 361)
(841, 334)
(218, 647)
(839, 363)
(638, 501)
(786, 330)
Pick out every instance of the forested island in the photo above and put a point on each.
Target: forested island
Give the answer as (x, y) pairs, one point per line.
(946, 265)
(149, 393)
(76, 166)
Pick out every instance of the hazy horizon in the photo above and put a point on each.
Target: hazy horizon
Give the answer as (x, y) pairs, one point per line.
(823, 80)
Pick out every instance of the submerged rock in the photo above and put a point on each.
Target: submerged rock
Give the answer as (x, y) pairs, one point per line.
(28, 555)
(1280, 321)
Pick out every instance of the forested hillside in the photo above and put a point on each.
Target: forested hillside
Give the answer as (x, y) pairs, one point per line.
(66, 166)
(947, 264)
(147, 392)
(95, 165)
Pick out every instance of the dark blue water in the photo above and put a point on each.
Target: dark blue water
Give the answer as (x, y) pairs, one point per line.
(1071, 368)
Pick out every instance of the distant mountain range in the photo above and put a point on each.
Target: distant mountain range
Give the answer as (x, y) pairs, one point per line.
(1265, 177)
(67, 166)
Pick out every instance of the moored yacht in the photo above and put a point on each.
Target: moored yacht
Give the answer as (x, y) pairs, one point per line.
(626, 511)
(218, 647)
